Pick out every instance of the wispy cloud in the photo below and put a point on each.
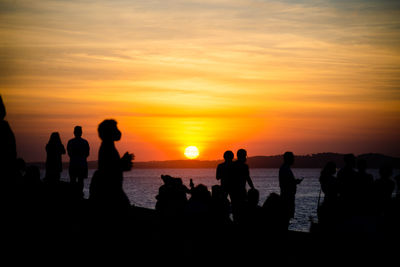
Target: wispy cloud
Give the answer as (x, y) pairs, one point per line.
(200, 58)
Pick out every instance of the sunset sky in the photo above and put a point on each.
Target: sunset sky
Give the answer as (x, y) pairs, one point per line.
(269, 76)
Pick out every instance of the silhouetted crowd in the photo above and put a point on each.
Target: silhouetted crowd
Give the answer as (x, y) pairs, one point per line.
(227, 223)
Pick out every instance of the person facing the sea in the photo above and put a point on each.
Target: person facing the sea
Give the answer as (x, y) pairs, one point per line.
(348, 184)
(54, 149)
(237, 184)
(8, 150)
(384, 187)
(107, 183)
(288, 184)
(224, 170)
(78, 151)
(327, 211)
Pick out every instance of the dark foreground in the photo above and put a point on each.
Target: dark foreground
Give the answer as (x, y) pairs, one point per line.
(80, 233)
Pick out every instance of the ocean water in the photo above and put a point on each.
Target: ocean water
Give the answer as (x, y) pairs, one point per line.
(141, 186)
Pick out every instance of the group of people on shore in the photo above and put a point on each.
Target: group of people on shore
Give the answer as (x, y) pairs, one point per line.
(352, 192)
(347, 193)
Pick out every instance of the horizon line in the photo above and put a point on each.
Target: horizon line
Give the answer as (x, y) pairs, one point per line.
(221, 159)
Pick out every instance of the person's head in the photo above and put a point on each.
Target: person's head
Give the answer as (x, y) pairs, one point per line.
(349, 160)
(54, 138)
(200, 192)
(273, 203)
(253, 196)
(166, 179)
(228, 155)
(241, 155)
(330, 168)
(288, 158)
(78, 131)
(108, 131)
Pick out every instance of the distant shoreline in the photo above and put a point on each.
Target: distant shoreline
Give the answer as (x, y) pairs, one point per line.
(374, 161)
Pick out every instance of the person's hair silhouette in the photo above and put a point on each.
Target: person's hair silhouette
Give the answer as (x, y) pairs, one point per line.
(55, 149)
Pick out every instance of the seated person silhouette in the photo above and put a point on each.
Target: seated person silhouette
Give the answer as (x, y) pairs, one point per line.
(78, 151)
(106, 187)
(172, 197)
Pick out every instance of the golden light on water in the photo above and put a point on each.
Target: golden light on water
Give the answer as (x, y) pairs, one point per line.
(191, 152)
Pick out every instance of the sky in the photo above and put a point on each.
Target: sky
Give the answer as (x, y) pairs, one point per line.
(268, 76)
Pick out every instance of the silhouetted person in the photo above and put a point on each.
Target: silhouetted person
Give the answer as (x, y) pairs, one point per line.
(55, 149)
(274, 216)
(365, 183)
(171, 198)
(288, 184)
(348, 185)
(253, 213)
(20, 165)
(78, 151)
(397, 180)
(32, 186)
(8, 151)
(328, 181)
(327, 211)
(198, 208)
(107, 183)
(220, 205)
(383, 188)
(237, 184)
(32, 176)
(225, 170)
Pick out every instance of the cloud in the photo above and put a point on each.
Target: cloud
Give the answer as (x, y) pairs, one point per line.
(204, 58)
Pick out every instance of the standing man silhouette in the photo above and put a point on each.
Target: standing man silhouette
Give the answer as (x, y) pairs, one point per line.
(288, 184)
(78, 151)
(238, 192)
(224, 170)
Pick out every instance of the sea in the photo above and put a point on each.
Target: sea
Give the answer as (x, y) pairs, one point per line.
(141, 186)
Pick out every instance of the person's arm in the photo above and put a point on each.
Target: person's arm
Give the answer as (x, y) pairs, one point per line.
(126, 161)
(87, 149)
(248, 178)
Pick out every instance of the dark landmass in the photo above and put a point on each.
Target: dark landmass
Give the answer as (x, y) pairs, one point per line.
(374, 161)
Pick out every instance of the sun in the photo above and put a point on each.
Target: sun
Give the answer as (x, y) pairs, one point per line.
(191, 152)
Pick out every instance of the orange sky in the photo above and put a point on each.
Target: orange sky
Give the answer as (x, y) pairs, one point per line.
(268, 76)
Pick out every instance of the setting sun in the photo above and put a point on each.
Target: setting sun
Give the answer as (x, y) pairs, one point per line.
(191, 152)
